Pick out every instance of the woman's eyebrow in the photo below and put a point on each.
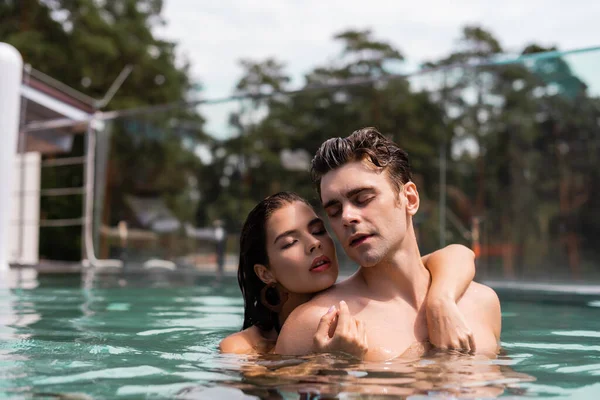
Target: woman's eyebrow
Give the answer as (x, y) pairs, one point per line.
(284, 234)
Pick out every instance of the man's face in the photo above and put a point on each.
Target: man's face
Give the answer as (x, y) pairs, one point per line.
(367, 215)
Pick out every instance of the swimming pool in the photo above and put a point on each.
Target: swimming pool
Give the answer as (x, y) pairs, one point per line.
(136, 337)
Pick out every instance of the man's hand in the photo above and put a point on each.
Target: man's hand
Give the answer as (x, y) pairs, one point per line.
(447, 328)
(339, 332)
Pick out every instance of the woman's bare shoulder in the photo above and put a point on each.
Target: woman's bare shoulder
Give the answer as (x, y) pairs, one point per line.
(248, 341)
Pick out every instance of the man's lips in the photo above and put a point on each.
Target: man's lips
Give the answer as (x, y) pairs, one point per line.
(320, 263)
(358, 239)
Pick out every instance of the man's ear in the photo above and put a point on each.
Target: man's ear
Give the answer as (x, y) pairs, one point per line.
(264, 274)
(412, 197)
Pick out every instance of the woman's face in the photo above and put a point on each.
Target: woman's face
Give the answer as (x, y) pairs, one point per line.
(301, 253)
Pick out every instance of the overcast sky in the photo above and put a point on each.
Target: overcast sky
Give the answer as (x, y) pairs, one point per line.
(214, 35)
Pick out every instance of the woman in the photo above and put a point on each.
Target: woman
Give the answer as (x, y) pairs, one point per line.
(287, 256)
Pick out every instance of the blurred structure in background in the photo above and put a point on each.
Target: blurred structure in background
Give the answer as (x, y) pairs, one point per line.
(504, 148)
(11, 65)
(49, 170)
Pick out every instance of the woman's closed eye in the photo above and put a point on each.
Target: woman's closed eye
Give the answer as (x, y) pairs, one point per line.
(289, 244)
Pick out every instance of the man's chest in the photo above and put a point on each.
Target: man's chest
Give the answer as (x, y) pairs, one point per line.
(391, 329)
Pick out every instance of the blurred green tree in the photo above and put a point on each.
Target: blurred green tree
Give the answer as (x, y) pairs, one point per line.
(86, 44)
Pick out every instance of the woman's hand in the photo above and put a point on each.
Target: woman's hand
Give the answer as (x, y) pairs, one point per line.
(339, 332)
(447, 328)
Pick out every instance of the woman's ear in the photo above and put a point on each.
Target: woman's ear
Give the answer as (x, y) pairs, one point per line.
(264, 274)
(412, 198)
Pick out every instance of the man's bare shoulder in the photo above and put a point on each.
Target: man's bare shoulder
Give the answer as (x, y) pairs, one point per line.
(482, 295)
(310, 312)
(481, 306)
(344, 290)
(296, 336)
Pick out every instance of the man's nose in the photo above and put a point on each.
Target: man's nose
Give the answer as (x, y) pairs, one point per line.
(349, 216)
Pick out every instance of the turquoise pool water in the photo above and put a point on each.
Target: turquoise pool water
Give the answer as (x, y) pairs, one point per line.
(138, 337)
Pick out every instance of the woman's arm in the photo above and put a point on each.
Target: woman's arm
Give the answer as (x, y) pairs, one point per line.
(452, 271)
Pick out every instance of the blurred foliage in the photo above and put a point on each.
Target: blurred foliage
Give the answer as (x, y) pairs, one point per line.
(86, 44)
(520, 139)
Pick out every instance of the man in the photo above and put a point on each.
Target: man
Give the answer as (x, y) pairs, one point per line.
(364, 182)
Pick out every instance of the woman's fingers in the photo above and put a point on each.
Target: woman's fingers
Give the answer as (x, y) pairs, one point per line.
(464, 344)
(472, 346)
(362, 334)
(467, 342)
(322, 336)
(344, 318)
(339, 331)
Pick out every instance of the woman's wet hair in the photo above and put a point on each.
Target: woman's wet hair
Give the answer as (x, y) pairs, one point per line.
(253, 250)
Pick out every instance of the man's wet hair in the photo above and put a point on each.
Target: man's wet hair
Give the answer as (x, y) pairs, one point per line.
(364, 144)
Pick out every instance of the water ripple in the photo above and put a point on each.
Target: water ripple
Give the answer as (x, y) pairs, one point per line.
(111, 373)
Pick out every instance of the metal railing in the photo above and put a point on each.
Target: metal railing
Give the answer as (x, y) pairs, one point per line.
(85, 220)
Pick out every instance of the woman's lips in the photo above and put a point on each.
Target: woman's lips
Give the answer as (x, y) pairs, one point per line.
(320, 264)
(322, 267)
